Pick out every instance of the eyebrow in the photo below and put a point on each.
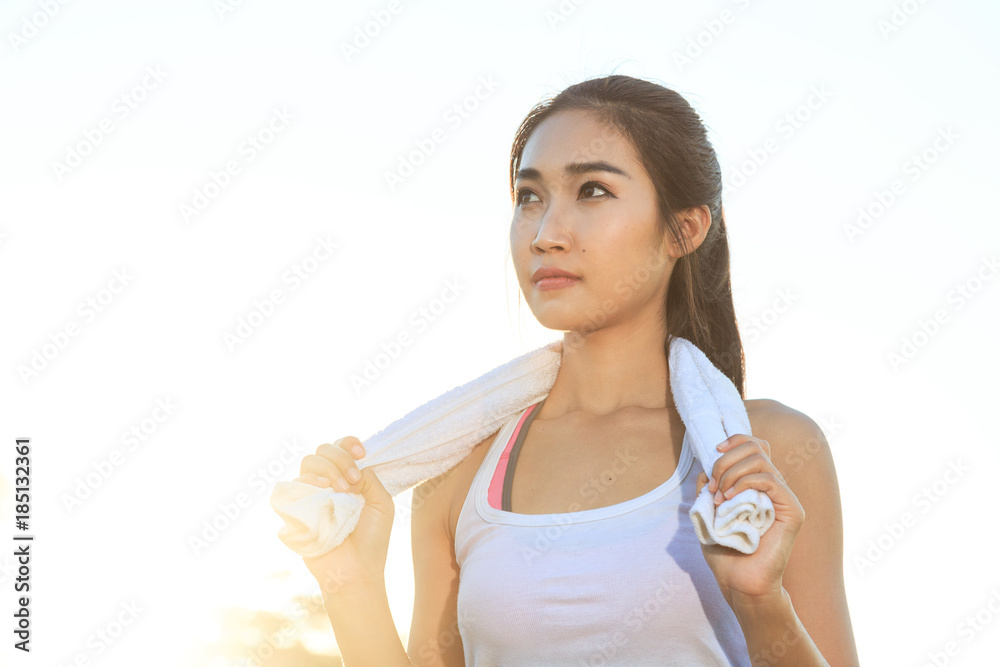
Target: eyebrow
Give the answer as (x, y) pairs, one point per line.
(573, 168)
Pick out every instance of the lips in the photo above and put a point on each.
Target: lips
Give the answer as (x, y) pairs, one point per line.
(552, 272)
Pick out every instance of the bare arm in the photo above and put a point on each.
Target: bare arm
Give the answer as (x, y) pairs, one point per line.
(435, 639)
(366, 634)
(817, 610)
(352, 575)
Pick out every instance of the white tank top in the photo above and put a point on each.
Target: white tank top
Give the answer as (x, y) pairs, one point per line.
(625, 584)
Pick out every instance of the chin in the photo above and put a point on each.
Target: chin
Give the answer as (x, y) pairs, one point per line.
(563, 319)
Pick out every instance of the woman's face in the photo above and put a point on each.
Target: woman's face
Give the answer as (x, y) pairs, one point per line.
(585, 204)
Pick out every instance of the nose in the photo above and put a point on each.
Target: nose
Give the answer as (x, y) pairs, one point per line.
(553, 231)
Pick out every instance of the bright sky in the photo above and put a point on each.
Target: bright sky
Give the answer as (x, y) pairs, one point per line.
(118, 118)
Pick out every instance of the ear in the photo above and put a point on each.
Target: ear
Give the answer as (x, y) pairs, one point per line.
(694, 223)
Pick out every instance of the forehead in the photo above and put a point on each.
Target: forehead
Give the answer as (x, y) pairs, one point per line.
(576, 136)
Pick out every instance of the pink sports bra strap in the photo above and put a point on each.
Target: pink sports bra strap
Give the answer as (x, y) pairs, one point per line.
(498, 494)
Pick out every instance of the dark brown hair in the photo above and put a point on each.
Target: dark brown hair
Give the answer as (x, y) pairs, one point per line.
(672, 144)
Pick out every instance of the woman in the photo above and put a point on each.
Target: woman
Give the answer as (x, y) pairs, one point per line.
(586, 556)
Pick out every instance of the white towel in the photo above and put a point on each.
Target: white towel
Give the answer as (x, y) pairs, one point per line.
(712, 410)
(434, 437)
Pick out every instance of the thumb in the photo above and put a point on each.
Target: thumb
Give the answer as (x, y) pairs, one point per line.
(376, 496)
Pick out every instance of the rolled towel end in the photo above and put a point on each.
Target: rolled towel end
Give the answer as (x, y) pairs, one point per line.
(317, 520)
(738, 522)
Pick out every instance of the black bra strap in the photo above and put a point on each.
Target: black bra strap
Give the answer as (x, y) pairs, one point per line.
(508, 478)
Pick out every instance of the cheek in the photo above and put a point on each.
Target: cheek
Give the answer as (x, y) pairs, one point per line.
(520, 238)
(523, 226)
(520, 256)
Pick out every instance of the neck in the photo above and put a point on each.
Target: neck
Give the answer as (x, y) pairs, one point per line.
(611, 369)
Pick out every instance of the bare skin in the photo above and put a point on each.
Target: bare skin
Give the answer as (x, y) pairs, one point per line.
(548, 481)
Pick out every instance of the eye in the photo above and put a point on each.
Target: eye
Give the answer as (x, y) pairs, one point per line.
(593, 185)
(590, 185)
(520, 193)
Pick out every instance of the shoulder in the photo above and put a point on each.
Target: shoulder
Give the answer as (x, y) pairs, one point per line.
(802, 456)
(799, 448)
(439, 500)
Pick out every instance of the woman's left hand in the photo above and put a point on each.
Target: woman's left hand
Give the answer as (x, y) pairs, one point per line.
(746, 464)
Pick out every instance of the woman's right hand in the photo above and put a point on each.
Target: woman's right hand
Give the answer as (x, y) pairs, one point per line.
(359, 561)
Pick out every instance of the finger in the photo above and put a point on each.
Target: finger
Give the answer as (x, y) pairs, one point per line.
(742, 439)
(314, 466)
(353, 445)
(348, 443)
(786, 505)
(735, 440)
(732, 453)
(754, 462)
(333, 463)
(315, 480)
(702, 480)
(722, 463)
